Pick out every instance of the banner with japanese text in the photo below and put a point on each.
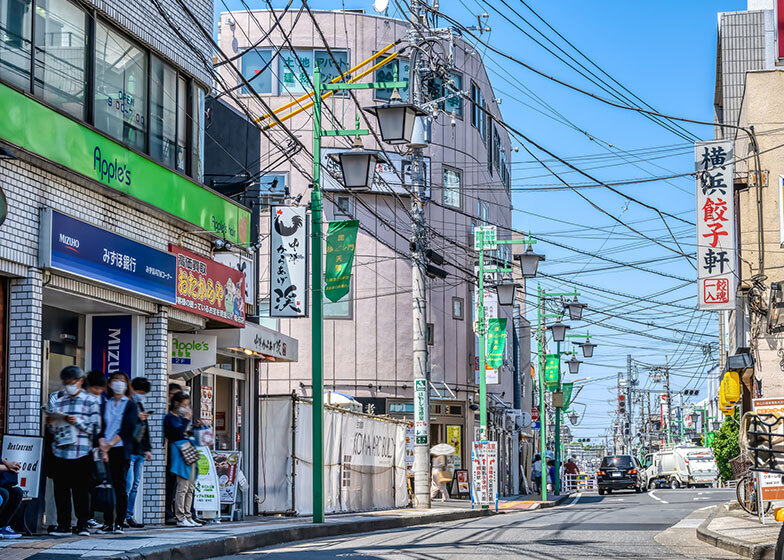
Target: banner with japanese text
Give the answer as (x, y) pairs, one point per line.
(341, 239)
(552, 371)
(716, 274)
(496, 342)
(567, 394)
(288, 262)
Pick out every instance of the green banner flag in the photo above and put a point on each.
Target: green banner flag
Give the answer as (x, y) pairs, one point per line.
(496, 342)
(567, 394)
(341, 238)
(552, 371)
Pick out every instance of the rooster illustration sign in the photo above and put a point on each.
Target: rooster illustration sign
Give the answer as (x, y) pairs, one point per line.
(288, 262)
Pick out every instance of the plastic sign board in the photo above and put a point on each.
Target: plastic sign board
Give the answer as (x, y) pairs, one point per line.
(715, 225)
(191, 352)
(288, 262)
(112, 343)
(421, 413)
(485, 238)
(206, 496)
(768, 406)
(26, 450)
(86, 251)
(484, 467)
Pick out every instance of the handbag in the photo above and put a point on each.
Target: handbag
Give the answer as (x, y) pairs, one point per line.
(204, 436)
(103, 497)
(188, 452)
(444, 476)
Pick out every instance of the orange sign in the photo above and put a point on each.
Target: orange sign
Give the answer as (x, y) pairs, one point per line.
(769, 406)
(771, 485)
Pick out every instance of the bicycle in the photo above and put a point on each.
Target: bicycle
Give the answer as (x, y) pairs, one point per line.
(746, 494)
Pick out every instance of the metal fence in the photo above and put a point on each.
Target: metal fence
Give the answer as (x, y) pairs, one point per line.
(575, 482)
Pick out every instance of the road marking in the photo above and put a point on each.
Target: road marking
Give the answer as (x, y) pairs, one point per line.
(704, 508)
(655, 497)
(576, 499)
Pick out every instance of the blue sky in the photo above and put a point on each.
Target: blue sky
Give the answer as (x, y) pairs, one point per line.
(665, 53)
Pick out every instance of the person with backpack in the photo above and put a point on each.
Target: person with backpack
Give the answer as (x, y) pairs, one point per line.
(120, 416)
(141, 448)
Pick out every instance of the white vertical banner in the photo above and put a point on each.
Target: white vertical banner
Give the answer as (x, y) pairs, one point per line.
(490, 300)
(484, 467)
(717, 279)
(288, 262)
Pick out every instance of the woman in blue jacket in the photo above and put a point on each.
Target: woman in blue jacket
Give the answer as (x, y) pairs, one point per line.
(175, 427)
(119, 415)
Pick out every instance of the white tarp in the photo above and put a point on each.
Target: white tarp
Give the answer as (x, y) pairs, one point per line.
(364, 460)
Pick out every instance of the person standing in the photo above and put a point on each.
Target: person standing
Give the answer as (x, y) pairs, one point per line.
(120, 416)
(175, 427)
(536, 473)
(171, 479)
(76, 420)
(141, 448)
(571, 471)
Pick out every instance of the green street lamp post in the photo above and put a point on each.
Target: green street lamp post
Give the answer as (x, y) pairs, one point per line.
(351, 164)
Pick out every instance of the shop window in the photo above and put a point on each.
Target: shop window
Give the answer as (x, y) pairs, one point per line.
(15, 39)
(163, 109)
(387, 73)
(256, 68)
(60, 55)
(452, 184)
(120, 87)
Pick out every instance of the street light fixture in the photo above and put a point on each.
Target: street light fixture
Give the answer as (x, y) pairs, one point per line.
(574, 365)
(357, 165)
(529, 261)
(558, 330)
(575, 309)
(396, 119)
(587, 347)
(506, 290)
(573, 417)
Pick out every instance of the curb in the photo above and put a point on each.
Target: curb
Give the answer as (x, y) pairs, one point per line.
(731, 544)
(210, 548)
(552, 503)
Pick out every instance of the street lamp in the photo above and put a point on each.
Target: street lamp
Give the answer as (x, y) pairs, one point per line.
(529, 261)
(506, 290)
(587, 347)
(357, 165)
(575, 309)
(573, 417)
(574, 365)
(558, 331)
(396, 119)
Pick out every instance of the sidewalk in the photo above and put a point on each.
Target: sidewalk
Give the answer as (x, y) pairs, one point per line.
(531, 501)
(737, 531)
(166, 542)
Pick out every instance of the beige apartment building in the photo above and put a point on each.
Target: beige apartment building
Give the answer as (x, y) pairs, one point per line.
(368, 335)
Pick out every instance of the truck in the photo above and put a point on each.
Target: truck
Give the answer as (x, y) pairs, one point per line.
(682, 465)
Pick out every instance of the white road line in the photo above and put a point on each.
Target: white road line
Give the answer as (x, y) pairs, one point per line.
(704, 508)
(655, 497)
(576, 499)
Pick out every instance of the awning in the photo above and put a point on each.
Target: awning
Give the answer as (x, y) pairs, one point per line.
(256, 341)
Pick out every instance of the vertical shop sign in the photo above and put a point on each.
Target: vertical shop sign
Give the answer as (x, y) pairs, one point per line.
(209, 288)
(715, 225)
(496, 342)
(112, 343)
(484, 463)
(341, 240)
(206, 495)
(205, 405)
(552, 371)
(421, 413)
(288, 262)
(454, 438)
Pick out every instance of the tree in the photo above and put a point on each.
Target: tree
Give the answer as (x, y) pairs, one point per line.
(725, 445)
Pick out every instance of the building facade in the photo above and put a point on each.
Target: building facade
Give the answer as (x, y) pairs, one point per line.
(368, 340)
(102, 177)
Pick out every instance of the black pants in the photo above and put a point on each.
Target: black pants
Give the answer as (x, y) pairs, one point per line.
(171, 485)
(118, 472)
(73, 479)
(12, 498)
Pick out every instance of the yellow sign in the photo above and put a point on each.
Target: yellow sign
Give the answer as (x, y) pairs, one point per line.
(453, 438)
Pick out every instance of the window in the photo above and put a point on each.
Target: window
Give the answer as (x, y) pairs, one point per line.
(343, 206)
(163, 109)
(387, 74)
(454, 103)
(478, 116)
(496, 150)
(430, 334)
(15, 39)
(120, 87)
(457, 308)
(61, 55)
(295, 73)
(490, 147)
(483, 211)
(197, 134)
(256, 68)
(327, 66)
(182, 123)
(452, 181)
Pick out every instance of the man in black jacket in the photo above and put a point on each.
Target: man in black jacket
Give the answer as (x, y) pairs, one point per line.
(141, 448)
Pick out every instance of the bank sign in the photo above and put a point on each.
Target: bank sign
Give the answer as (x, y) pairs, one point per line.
(80, 249)
(191, 351)
(112, 343)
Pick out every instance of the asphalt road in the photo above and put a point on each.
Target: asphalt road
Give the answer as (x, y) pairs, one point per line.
(658, 524)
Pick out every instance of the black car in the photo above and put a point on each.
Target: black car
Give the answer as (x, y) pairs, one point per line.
(619, 472)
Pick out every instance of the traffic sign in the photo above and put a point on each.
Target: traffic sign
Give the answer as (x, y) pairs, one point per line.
(534, 414)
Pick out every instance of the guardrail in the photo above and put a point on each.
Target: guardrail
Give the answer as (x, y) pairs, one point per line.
(575, 482)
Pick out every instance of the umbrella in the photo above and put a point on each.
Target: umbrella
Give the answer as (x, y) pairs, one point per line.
(442, 449)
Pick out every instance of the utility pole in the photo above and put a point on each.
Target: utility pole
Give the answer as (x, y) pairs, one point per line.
(669, 397)
(629, 403)
(419, 295)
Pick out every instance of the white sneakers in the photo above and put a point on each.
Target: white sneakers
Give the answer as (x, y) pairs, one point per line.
(187, 523)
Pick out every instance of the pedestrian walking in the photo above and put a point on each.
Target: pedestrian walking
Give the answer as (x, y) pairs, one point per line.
(120, 416)
(551, 473)
(10, 497)
(439, 477)
(141, 448)
(175, 428)
(74, 419)
(536, 472)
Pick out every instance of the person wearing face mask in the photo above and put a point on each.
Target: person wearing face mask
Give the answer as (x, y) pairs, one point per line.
(141, 448)
(75, 419)
(175, 428)
(120, 416)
